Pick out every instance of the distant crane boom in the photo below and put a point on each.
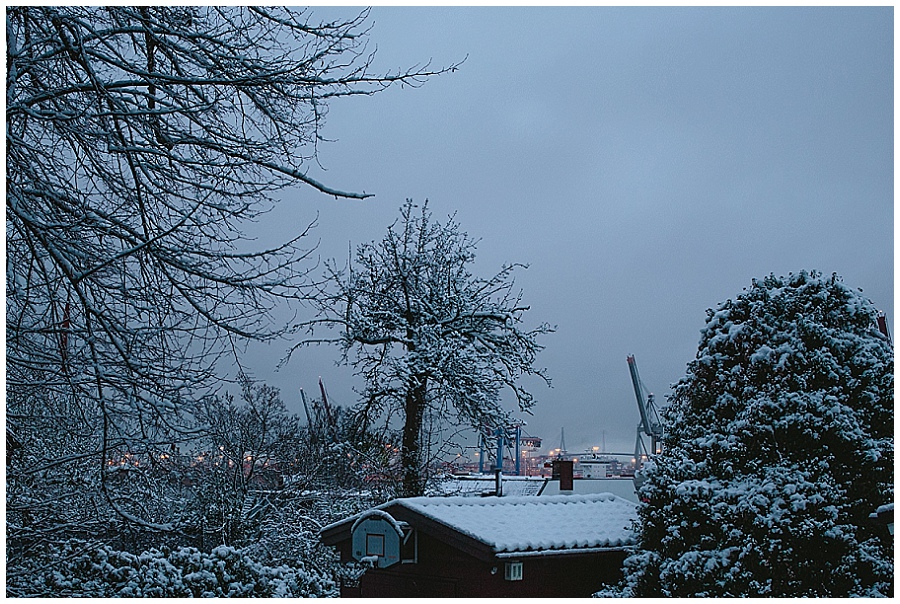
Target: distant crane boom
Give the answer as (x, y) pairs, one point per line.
(309, 421)
(649, 420)
(639, 395)
(328, 416)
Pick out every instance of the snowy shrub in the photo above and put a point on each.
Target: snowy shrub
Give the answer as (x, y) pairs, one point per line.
(779, 445)
(80, 569)
(289, 531)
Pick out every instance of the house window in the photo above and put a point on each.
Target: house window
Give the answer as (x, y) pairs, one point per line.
(409, 546)
(513, 571)
(375, 545)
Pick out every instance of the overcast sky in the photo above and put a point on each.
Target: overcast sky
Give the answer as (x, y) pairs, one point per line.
(647, 163)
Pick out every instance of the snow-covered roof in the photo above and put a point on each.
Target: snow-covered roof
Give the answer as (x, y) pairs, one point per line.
(516, 524)
(528, 523)
(379, 514)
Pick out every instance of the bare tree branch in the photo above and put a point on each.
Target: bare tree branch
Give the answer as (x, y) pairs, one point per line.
(140, 144)
(431, 340)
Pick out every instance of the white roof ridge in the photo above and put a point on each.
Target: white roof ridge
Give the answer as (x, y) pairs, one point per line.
(515, 500)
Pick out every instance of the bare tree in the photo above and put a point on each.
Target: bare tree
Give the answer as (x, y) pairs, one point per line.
(429, 338)
(250, 445)
(140, 142)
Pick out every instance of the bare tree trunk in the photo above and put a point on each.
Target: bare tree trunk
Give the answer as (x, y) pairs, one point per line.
(411, 454)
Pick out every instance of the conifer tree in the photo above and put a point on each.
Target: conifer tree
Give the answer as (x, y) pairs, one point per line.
(779, 446)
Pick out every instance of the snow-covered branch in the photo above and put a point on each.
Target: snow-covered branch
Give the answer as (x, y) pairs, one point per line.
(425, 333)
(141, 143)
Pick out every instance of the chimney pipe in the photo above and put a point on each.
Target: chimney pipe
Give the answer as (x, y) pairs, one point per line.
(563, 470)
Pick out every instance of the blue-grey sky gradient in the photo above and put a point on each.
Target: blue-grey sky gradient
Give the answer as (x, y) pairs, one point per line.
(647, 163)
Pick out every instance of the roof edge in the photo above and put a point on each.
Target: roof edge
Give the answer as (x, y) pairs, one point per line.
(574, 551)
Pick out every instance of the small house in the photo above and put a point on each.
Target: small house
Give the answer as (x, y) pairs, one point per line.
(553, 546)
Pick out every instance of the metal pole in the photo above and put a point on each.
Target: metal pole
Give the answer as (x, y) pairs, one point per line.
(500, 449)
(518, 450)
(481, 454)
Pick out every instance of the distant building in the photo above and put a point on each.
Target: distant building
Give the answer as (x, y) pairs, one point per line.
(515, 486)
(553, 546)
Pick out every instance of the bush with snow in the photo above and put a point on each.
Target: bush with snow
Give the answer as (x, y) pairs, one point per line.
(779, 445)
(85, 570)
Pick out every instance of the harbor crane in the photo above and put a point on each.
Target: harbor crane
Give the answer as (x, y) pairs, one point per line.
(322, 421)
(649, 425)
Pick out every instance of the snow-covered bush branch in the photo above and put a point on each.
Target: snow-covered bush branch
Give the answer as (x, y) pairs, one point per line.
(87, 570)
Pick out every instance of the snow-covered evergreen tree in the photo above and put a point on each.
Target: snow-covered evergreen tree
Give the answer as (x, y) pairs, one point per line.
(779, 445)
